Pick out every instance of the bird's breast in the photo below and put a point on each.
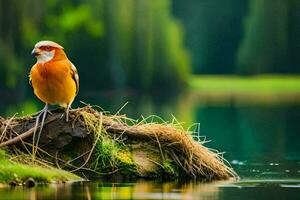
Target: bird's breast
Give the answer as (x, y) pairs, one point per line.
(53, 83)
(53, 70)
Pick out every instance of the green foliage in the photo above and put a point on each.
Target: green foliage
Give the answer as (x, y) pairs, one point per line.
(75, 18)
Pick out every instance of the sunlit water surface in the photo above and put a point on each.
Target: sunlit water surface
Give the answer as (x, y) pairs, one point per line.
(261, 139)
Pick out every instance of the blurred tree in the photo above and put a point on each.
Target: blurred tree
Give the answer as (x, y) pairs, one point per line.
(213, 32)
(16, 19)
(114, 43)
(146, 43)
(293, 37)
(9, 28)
(241, 37)
(265, 45)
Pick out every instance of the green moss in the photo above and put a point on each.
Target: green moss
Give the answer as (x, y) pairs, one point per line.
(2, 155)
(110, 155)
(126, 162)
(105, 152)
(18, 173)
(169, 167)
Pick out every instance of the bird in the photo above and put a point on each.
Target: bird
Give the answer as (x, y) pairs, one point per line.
(54, 78)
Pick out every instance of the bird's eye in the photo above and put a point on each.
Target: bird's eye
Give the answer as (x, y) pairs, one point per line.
(46, 48)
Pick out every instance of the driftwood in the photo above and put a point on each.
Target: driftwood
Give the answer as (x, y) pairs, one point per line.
(149, 144)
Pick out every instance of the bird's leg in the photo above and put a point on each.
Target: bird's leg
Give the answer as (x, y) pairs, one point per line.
(67, 112)
(43, 113)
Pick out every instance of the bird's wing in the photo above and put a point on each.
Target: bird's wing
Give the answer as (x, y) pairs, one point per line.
(75, 76)
(30, 79)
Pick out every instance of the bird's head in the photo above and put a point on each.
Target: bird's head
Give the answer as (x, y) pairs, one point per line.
(45, 51)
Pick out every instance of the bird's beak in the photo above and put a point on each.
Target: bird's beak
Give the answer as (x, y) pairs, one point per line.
(34, 52)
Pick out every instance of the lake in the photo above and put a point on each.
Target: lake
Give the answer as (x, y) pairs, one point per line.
(260, 134)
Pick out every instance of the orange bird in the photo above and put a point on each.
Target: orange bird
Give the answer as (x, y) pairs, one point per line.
(54, 78)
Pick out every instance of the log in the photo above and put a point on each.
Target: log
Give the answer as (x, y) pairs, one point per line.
(142, 149)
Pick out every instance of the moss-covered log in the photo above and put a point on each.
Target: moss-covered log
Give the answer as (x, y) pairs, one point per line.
(94, 142)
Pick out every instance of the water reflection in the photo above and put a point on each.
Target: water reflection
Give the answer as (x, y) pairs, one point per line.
(247, 189)
(98, 190)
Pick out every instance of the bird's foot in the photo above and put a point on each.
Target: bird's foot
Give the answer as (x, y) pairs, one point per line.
(67, 110)
(62, 115)
(67, 116)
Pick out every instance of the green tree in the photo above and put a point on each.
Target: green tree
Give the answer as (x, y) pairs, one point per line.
(146, 43)
(214, 29)
(265, 44)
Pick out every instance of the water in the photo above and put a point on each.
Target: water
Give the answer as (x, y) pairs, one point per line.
(261, 138)
(247, 189)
